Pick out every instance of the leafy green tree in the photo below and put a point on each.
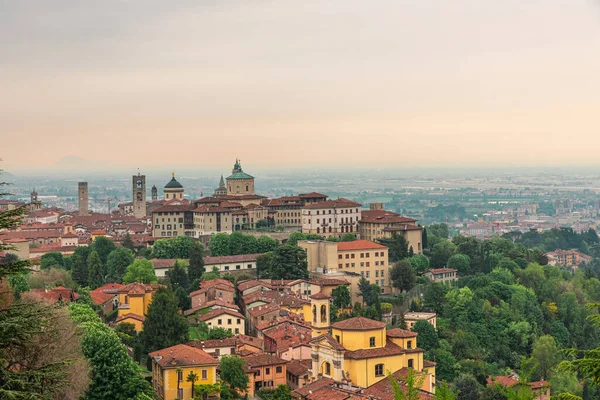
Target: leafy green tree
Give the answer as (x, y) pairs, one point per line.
(127, 333)
(441, 252)
(163, 326)
(439, 230)
(348, 237)
(196, 267)
(364, 290)
(242, 244)
(445, 361)
(341, 296)
(177, 277)
(264, 265)
(397, 247)
(178, 247)
(103, 246)
(140, 271)
(460, 262)
(219, 245)
(294, 238)
(266, 244)
(18, 282)
(117, 262)
(128, 242)
(444, 392)
(288, 262)
(467, 387)
(496, 392)
(219, 333)
(184, 300)
(428, 337)
(332, 238)
(419, 262)
(96, 270)
(403, 276)
(52, 260)
(434, 297)
(232, 372)
(411, 388)
(79, 271)
(545, 355)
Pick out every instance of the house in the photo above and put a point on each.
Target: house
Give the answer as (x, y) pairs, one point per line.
(377, 224)
(540, 389)
(106, 297)
(242, 262)
(412, 317)
(269, 371)
(288, 340)
(195, 312)
(51, 296)
(214, 289)
(134, 300)
(225, 318)
(298, 373)
(233, 345)
(361, 351)
(442, 275)
(172, 366)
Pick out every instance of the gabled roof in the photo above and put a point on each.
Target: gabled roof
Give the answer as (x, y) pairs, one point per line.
(298, 367)
(232, 259)
(220, 311)
(137, 317)
(358, 324)
(262, 359)
(182, 355)
(383, 389)
(330, 340)
(314, 386)
(390, 349)
(400, 333)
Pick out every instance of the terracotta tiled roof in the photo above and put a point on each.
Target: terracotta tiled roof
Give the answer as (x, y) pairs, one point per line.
(138, 288)
(329, 339)
(512, 380)
(314, 386)
(261, 359)
(213, 303)
(359, 245)
(390, 349)
(137, 317)
(232, 259)
(182, 355)
(400, 333)
(220, 311)
(441, 270)
(338, 203)
(428, 364)
(252, 283)
(358, 324)
(331, 282)
(383, 389)
(320, 296)
(160, 263)
(211, 344)
(298, 367)
(312, 195)
(105, 293)
(262, 310)
(403, 228)
(384, 217)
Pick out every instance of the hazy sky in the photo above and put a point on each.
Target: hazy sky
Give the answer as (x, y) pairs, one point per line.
(398, 82)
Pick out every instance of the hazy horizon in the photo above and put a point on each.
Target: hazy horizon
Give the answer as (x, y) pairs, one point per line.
(297, 86)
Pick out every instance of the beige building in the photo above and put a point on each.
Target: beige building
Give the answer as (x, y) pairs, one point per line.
(209, 220)
(239, 182)
(82, 190)
(331, 217)
(173, 189)
(411, 318)
(287, 210)
(225, 318)
(241, 262)
(362, 257)
(381, 224)
(442, 275)
(138, 204)
(173, 221)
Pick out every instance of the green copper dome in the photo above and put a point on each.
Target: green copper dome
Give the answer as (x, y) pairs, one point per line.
(173, 184)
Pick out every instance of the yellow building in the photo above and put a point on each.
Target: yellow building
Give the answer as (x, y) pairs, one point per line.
(239, 183)
(377, 223)
(362, 351)
(172, 366)
(134, 300)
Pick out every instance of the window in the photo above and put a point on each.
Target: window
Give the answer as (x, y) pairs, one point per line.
(237, 330)
(368, 264)
(353, 255)
(368, 255)
(217, 352)
(229, 321)
(267, 371)
(337, 338)
(204, 374)
(410, 363)
(219, 322)
(239, 321)
(347, 265)
(249, 265)
(352, 265)
(278, 370)
(376, 274)
(227, 268)
(180, 375)
(327, 369)
(238, 267)
(379, 370)
(347, 256)
(257, 372)
(409, 344)
(340, 256)
(362, 255)
(372, 341)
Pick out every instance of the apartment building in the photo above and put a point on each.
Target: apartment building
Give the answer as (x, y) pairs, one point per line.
(331, 217)
(377, 223)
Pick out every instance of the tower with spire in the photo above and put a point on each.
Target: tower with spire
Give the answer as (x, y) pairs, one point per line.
(221, 190)
(35, 203)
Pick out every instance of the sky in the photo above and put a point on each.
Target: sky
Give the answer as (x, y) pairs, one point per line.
(299, 83)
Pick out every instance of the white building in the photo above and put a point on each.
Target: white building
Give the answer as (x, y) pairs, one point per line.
(331, 217)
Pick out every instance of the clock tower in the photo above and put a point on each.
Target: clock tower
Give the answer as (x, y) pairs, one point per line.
(139, 196)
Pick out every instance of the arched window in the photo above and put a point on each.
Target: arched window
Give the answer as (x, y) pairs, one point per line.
(327, 369)
(318, 230)
(314, 313)
(323, 313)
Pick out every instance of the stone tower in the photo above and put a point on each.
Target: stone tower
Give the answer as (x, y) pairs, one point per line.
(239, 183)
(154, 193)
(33, 196)
(83, 198)
(319, 304)
(139, 195)
(35, 204)
(221, 190)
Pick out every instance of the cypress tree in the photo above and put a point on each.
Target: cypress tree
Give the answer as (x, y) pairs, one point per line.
(196, 268)
(79, 271)
(96, 270)
(164, 326)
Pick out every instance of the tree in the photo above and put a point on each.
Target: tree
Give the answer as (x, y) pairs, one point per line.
(403, 276)
(128, 242)
(192, 377)
(219, 245)
(196, 267)
(178, 247)
(397, 247)
(444, 392)
(103, 246)
(79, 270)
(177, 277)
(219, 333)
(364, 289)
(96, 270)
(467, 387)
(266, 244)
(232, 372)
(140, 271)
(289, 262)
(460, 262)
(117, 262)
(442, 251)
(242, 244)
(348, 237)
(163, 326)
(341, 296)
(411, 386)
(52, 260)
(127, 333)
(545, 355)
(184, 300)
(264, 265)
(434, 297)
(428, 337)
(419, 262)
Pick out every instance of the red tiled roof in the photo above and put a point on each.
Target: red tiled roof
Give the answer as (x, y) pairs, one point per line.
(138, 288)
(390, 349)
(314, 386)
(99, 232)
(160, 263)
(403, 228)
(262, 310)
(383, 389)
(384, 217)
(252, 283)
(262, 359)
(312, 195)
(359, 245)
(216, 283)
(137, 317)
(232, 259)
(338, 203)
(320, 296)
(428, 364)
(358, 324)
(328, 393)
(298, 367)
(105, 293)
(182, 355)
(331, 282)
(441, 270)
(209, 304)
(220, 311)
(400, 333)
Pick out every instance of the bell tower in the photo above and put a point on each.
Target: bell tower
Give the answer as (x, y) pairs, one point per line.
(319, 304)
(139, 195)
(154, 193)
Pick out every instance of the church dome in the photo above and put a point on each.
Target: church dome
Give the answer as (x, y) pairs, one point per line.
(173, 184)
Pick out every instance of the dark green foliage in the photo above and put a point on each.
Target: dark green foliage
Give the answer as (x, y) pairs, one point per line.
(163, 326)
(461, 263)
(79, 269)
(419, 262)
(266, 244)
(441, 253)
(434, 297)
(103, 246)
(184, 301)
(219, 245)
(341, 296)
(140, 271)
(96, 271)
(177, 277)
(242, 244)
(264, 265)
(467, 387)
(236, 243)
(233, 374)
(281, 392)
(403, 276)
(196, 267)
(428, 337)
(218, 333)
(52, 260)
(397, 247)
(294, 238)
(178, 247)
(117, 262)
(128, 242)
(347, 237)
(288, 262)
